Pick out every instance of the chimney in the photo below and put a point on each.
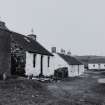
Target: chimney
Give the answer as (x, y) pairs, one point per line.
(69, 53)
(3, 26)
(53, 49)
(63, 51)
(32, 36)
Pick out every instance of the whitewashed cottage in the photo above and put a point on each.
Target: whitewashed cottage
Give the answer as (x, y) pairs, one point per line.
(62, 60)
(96, 64)
(30, 56)
(38, 62)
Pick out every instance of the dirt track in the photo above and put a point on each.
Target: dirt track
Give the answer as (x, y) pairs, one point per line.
(84, 90)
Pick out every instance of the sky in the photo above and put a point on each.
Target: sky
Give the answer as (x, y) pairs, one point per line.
(75, 25)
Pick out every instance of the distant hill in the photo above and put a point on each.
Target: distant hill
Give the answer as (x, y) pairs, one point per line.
(91, 58)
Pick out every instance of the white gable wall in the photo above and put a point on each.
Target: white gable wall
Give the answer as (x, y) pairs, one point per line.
(58, 62)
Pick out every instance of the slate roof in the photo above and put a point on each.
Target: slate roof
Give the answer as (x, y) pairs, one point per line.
(98, 60)
(69, 59)
(28, 44)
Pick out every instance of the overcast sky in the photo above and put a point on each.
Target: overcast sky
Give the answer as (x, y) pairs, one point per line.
(78, 25)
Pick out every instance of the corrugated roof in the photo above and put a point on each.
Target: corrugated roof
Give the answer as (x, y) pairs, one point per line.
(69, 59)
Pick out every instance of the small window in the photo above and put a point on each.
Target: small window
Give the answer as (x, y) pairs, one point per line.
(93, 65)
(34, 60)
(104, 65)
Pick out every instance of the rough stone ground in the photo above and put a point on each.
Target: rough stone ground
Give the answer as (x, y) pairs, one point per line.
(84, 90)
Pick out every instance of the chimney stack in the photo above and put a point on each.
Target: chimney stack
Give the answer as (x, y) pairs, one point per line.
(69, 53)
(3, 26)
(32, 36)
(63, 51)
(53, 49)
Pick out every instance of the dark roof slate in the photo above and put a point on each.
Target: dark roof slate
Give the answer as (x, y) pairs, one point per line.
(28, 43)
(69, 59)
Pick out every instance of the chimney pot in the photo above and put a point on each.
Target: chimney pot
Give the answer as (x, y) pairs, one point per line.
(53, 49)
(63, 51)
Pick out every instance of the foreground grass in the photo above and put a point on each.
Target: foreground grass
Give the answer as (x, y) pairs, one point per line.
(83, 90)
(23, 92)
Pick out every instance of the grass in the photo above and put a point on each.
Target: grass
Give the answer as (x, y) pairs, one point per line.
(22, 92)
(83, 90)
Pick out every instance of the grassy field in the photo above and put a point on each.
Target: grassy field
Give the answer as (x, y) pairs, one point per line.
(84, 90)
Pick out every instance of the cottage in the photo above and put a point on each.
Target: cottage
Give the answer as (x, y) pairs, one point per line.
(62, 60)
(96, 64)
(23, 55)
(93, 62)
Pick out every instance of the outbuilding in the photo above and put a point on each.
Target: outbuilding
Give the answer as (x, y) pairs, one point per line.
(96, 64)
(62, 60)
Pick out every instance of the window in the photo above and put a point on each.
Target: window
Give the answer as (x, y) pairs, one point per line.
(93, 65)
(48, 61)
(34, 60)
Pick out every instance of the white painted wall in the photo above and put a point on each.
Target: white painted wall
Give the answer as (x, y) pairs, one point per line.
(97, 66)
(58, 62)
(102, 66)
(55, 62)
(76, 70)
(29, 64)
(82, 69)
(47, 71)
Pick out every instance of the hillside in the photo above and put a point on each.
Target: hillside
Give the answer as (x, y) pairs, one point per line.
(90, 58)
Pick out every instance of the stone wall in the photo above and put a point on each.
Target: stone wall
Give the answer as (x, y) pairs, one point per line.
(5, 52)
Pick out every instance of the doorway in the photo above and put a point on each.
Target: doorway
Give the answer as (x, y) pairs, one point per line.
(17, 65)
